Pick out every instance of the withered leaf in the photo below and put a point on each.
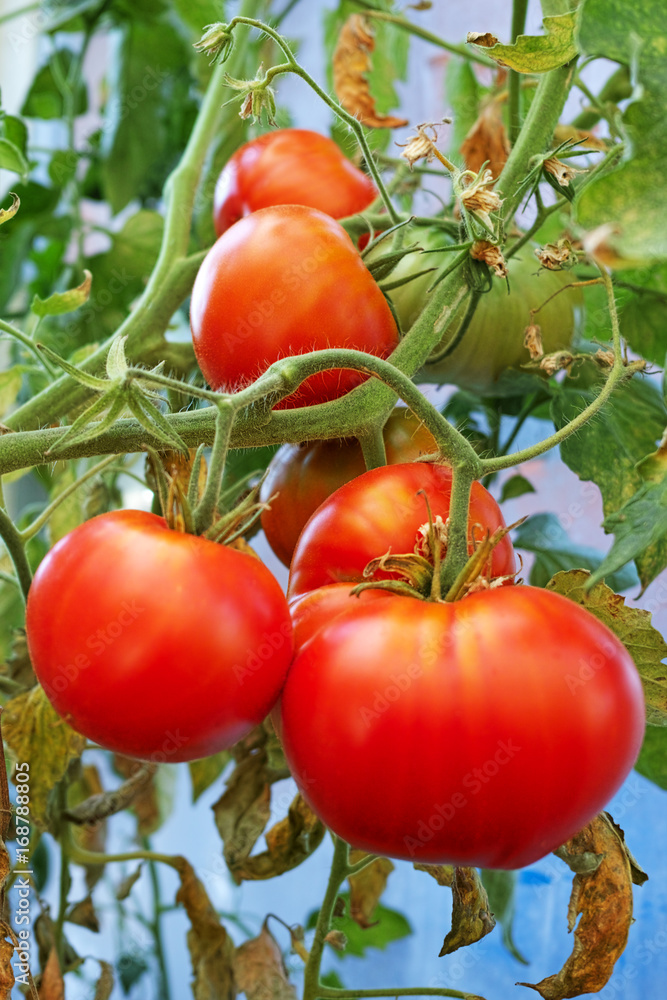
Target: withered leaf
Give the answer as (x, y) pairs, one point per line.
(289, 842)
(6, 971)
(487, 141)
(367, 887)
(92, 837)
(105, 983)
(471, 917)
(604, 900)
(98, 807)
(52, 986)
(443, 874)
(211, 948)
(260, 971)
(83, 913)
(351, 63)
(244, 809)
(125, 886)
(583, 138)
(207, 770)
(17, 667)
(36, 734)
(145, 803)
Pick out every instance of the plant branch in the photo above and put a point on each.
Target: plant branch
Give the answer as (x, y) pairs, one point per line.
(519, 9)
(15, 546)
(29, 344)
(338, 873)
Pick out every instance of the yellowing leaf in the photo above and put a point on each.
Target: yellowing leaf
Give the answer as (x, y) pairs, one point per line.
(244, 809)
(367, 887)
(533, 53)
(7, 979)
(632, 626)
(351, 64)
(38, 736)
(471, 917)
(260, 971)
(8, 213)
(289, 842)
(211, 948)
(52, 986)
(64, 302)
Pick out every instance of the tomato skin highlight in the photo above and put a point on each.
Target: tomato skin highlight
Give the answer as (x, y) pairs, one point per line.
(379, 511)
(153, 643)
(483, 732)
(281, 282)
(290, 166)
(303, 476)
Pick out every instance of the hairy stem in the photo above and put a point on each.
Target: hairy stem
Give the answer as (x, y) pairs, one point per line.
(15, 546)
(457, 539)
(519, 9)
(339, 871)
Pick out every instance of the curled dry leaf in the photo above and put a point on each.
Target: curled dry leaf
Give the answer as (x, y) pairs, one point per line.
(260, 971)
(604, 900)
(484, 38)
(443, 874)
(145, 803)
(532, 339)
(105, 983)
(52, 985)
(366, 887)
(486, 141)
(561, 171)
(36, 734)
(83, 913)
(289, 842)
(471, 918)
(98, 807)
(491, 255)
(337, 940)
(210, 946)
(7, 979)
(351, 64)
(124, 887)
(244, 809)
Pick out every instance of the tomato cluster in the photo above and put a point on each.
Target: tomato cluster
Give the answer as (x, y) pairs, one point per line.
(418, 724)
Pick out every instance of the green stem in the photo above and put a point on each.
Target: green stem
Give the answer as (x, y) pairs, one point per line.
(207, 506)
(535, 135)
(618, 373)
(460, 333)
(457, 538)
(519, 9)
(155, 925)
(80, 856)
(413, 29)
(24, 339)
(338, 873)
(372, 446)
(330, 993)
(15, 546)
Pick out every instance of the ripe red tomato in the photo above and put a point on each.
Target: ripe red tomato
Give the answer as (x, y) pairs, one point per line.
(381, 511)
(290, 166)
(483, 732)
(285, 281)
(156, 644)
(304, 475)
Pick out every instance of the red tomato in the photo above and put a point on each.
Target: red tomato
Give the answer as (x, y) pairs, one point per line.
(285, 281)
(381, 511)
(156, 644)
(291, 166)
(311, 611)
(483, 732)
(304, 475)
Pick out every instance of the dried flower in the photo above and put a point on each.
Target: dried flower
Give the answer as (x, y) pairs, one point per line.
(479, 199)
(491, 255)
(532, 339)
(561, 171)
(559, 256)
(552, 363)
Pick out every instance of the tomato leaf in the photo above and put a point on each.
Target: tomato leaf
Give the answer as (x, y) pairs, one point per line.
(608, 448)
(604, 900)
(11, 158)
(630, 200)
(366, 887)
(289, 843)
(204, 772)
(36, 734)
(211, 948)
(83, 913)
(63, 302)
(632, 626)
(151, 802)
(388, 926)
(500, 887)
(544, 535)
(533, 53)
(471, 917)
(52, 986)
(45, 99)
(642, 315)
(260, 971)
(105, 984)
(652, 761)
(244, 809)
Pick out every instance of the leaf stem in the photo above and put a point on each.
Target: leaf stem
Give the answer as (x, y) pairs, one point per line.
(15, 546)
(208, 505)
(457, 539)
(39, 522)
(338, 873)
(372, 446)
(519, 9)
(29, 344)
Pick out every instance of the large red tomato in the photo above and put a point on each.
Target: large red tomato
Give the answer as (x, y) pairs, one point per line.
(153, 643)
(284, 281)
(483, 732)
(290, 166)
(304, 475)
(383, 511)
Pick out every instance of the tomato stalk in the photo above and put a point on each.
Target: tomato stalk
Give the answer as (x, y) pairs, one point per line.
(519, 10)
(372, 446)
(15, 545)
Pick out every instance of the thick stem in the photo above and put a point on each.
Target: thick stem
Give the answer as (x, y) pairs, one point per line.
(457, 538)
(519, 9)
(15, 546)
(338, 873)
(327, 992)
(372, 446)
(207, 506)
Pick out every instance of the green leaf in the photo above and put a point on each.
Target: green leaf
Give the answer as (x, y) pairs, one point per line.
(544, 535)
(10, 386)
(16, 131)
(500, 887)
(533, 53)
(652, 761)
(632, 626)
(642, 320)
(390, 926)
(149, 113)
(463, 94)
(607, 449)
(197, 14)
(514, 487)
(332, 980)
(11, 158)
(63, 302)
(204, 772)
(34, 218)
(632, 199)
(44, 98)
(640, 529)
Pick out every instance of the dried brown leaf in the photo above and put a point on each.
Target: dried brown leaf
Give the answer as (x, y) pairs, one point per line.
(443, 874)
(604, 900)
(289, 842)
(83, 913)
(487, 141)
(351, 64)
(532, 339)
(471, 918)
(367, 887)
(145, 803)
(105, 983)
(211, 948)
(124, 887)
(337, 940)
(7, 979)
(484, 38)
(98, 807)
(37, 735)
(52, 986)
(260, 971)
(244, 809)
